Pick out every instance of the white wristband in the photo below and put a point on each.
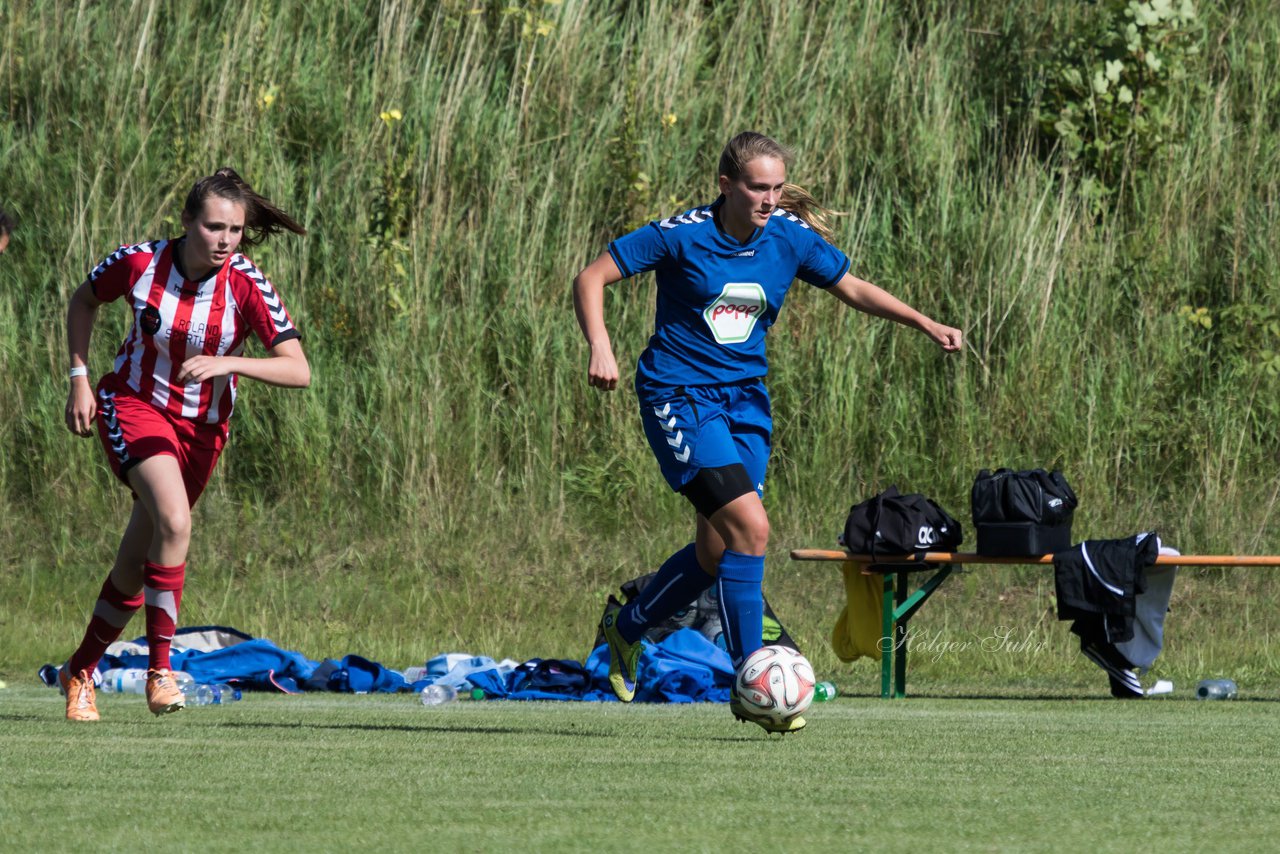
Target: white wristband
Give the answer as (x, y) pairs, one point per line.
(79, 371)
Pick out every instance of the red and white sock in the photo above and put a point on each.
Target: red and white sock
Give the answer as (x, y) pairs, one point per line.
(162, 589)
(111, 614)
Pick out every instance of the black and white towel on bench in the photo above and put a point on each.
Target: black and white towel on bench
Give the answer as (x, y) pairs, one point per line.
(1117, 599)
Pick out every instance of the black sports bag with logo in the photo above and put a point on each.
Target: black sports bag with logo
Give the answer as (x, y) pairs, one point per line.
(892, 524)
(1022, 512)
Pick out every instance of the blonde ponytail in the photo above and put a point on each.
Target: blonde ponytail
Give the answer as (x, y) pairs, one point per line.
(749, 145)
(796, 199)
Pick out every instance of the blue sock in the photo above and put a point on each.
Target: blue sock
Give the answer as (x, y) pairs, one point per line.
(741, 603)
(678, 583)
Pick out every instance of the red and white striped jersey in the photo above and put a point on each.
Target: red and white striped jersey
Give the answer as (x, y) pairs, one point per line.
(175, 318)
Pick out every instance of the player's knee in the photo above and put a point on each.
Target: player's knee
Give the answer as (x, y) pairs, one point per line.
(744, 527)
(754, 534)
(173, 525)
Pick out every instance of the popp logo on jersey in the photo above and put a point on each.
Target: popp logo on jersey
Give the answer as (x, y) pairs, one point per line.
(734, 313)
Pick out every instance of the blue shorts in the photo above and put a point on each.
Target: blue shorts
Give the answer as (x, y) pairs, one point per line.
(696, 427)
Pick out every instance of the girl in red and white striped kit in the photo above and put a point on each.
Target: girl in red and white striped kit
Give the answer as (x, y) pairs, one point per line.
(162, 410)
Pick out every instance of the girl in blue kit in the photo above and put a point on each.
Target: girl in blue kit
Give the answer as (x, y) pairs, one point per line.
(722, 272)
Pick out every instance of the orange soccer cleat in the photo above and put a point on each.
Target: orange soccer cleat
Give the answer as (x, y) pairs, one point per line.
(78, 689)
(163, 694)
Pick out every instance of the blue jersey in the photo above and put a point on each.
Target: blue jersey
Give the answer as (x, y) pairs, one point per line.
(717, 297)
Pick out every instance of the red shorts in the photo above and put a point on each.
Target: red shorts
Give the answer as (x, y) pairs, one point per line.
(132, 430)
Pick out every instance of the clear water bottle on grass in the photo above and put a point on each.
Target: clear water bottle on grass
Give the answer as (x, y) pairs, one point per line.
(1216, 689)
(224, 693)
(210, 694)
(198, 695)
(438, 695)
(122, 680)
(133, 680)
(824, 691)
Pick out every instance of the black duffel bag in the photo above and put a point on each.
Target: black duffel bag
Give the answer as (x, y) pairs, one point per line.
(1022, 512)
(892, 525)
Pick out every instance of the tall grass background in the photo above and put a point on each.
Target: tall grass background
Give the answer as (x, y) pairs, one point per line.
(450, 482)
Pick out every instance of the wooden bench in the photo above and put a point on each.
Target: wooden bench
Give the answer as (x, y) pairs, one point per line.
(899, 604)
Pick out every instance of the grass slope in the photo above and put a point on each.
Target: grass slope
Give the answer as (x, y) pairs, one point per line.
(449, 481)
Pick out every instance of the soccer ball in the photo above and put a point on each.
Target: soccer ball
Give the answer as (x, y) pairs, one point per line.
(775, 682)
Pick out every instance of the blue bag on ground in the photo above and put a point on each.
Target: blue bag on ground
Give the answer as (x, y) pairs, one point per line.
(362, 676)
(683, 667)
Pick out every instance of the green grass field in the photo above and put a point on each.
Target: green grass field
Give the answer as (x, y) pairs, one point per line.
(329, 772)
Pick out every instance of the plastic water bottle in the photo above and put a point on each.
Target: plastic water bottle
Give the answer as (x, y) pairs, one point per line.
(1216, 689)
(198, 695)
(413, 674)
(210, 694)
(133, 680)
(438, 695)
(224, 693)
(824, 691)
(120, 680)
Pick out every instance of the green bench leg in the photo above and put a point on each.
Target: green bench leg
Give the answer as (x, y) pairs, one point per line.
(900, 639)
(886, 637)
(897, 609)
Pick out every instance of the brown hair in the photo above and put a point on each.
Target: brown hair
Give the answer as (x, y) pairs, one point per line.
(6, 224)
(261, 217)
(749, 145)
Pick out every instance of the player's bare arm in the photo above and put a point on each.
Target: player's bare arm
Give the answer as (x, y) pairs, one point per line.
(81, 405)
(876, 301)
(588, 304)
(285, 365)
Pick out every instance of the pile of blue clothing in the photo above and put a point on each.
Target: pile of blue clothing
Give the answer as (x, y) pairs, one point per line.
(684, 667)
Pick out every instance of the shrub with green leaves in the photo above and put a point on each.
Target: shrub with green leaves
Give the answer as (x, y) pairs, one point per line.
(1111, 87)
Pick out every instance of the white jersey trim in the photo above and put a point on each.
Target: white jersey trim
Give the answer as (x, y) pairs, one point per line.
(788, 215)
(275, 307)
(689, 217)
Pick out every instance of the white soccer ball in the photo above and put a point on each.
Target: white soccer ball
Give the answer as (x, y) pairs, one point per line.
(775, 682)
